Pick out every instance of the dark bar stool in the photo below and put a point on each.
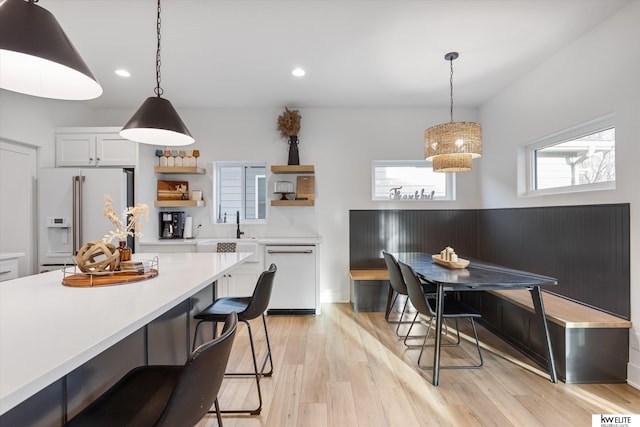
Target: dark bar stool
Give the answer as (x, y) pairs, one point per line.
(165, 395)
(248, 308)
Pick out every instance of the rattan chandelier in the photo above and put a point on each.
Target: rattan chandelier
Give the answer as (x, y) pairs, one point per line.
(452, 146)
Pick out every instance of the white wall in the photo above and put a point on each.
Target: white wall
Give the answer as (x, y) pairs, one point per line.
(595, 75)
(30, 120)
(341, 143)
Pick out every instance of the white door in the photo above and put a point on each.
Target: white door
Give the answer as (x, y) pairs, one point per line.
(97, 183)
(17, 203)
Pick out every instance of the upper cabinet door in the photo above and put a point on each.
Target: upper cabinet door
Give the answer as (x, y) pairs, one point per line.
(78, 149)
(95, 149)
(113, 150)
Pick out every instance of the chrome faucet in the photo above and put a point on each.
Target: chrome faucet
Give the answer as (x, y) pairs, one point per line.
(238, 232)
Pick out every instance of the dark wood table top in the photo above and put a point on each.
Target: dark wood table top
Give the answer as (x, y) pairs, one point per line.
(477, 275)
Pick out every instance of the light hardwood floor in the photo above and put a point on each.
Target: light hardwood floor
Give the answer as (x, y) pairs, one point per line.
(345, 369)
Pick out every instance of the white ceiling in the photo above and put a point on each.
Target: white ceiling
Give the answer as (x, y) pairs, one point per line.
(357, 53)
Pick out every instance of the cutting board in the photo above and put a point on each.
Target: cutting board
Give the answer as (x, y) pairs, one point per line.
(173, 190)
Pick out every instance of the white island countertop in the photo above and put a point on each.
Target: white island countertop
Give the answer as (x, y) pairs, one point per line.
(47, 329)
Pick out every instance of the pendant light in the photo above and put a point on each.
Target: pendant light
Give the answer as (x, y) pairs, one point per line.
(156, 121)
(452, 146)
(37, 58)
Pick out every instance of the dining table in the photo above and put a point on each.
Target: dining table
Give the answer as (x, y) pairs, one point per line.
(479, 276)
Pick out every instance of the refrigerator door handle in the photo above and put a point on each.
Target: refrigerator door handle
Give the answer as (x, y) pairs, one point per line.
(80, 219)
(74, 218)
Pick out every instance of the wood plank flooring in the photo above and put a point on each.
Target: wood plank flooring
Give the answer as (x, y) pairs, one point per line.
(349, 369)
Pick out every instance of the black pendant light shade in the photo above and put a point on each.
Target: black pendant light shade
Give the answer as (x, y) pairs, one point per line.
(157, 122)
(37, 58)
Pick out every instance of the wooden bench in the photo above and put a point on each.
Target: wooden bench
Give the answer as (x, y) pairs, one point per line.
(589, 346)
(369, 289)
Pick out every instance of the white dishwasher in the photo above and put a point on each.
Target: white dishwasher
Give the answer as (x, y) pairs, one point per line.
(294, 287)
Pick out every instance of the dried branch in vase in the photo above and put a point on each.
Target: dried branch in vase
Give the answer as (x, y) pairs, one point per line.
(130, 216)
(289, 123)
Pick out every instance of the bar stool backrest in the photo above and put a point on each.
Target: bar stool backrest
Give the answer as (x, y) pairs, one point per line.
(201, 379)
(261, 294)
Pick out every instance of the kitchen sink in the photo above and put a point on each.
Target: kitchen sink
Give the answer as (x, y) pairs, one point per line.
(242, 245)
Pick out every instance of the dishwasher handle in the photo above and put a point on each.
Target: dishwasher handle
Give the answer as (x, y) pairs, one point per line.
(289, 251)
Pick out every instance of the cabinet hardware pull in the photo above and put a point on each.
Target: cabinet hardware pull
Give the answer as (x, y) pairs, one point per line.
(5, 272)
(308, 251)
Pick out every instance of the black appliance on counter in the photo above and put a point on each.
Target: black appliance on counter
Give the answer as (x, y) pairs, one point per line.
(171, 225)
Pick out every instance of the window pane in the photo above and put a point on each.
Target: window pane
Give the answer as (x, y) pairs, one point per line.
(240, 188)
(588, 159)
(410, 180)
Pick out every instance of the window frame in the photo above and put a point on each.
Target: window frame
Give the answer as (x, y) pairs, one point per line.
(216, 189)
(528, 152)
(450, 180)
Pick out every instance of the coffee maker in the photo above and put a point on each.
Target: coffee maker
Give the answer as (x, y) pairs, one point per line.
(171, 225)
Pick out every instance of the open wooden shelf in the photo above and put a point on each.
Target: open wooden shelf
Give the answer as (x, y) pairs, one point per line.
(294, 169)
(182, 169)
(176, 203)
(292, 202)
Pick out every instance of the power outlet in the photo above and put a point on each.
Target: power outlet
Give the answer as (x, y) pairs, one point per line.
(292, 221)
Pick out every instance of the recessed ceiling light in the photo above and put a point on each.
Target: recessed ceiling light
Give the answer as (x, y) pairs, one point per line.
(123, 73)
(298, 72)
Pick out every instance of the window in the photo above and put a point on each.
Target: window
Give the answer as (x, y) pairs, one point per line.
(410, 180)
(240, 187)
(578, 159)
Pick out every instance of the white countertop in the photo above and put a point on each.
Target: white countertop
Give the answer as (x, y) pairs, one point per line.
(47, 329)
(11, 255)
(260, 240)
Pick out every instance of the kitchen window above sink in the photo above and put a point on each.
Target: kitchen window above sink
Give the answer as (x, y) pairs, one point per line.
(240, 187)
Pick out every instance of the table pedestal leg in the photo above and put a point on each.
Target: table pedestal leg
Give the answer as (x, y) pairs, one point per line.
(436, 349)
(536, 296)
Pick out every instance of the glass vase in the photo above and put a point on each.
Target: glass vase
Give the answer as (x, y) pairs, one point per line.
(125, 251)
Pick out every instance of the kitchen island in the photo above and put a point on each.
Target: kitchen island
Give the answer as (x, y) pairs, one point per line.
(61, 346)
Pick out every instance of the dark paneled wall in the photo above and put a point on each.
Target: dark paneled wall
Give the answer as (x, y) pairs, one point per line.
(585, 247)
(409, 231)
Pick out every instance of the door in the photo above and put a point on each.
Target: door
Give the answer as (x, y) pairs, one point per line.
(294, 289)
(76, 150)
(17, 203)
(58, 224)
(112, 150)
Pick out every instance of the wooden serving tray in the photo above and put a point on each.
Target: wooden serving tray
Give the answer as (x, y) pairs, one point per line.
(461, 263)
(81, 280)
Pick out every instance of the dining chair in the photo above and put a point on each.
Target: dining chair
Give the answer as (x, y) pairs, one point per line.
(398, 287)
(426, 305)
(165, 395)
(248, 308)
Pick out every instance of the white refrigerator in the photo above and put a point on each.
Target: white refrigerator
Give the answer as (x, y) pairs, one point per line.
(70, 209)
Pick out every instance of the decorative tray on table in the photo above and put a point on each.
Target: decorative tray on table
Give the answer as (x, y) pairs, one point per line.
(460, 263)
(131, 271)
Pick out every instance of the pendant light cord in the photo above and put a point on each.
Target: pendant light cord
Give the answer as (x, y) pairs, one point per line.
(158, 90)
(451, 89)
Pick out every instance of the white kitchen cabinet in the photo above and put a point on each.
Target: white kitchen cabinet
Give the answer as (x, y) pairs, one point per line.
(9, 266)
(94, 147)
(238, 283)
(242, 279)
